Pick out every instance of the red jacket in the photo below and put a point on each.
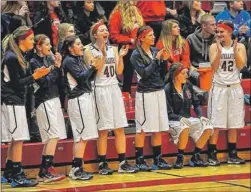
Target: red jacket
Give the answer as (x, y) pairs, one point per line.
(183, 58)
(117, 36)
(152, 10)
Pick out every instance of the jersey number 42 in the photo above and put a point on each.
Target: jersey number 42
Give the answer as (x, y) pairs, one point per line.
(227, 66)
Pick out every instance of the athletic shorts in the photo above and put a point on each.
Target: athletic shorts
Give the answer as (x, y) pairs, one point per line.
(195, 131)
(151, 112)
(50, 120)
(110, 108)
(14, 123)
(81, 111)
(226, 106)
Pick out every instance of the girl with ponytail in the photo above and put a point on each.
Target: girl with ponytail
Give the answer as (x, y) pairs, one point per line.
(16, 78)
(150, 106)
(48, 108)
(109, 102)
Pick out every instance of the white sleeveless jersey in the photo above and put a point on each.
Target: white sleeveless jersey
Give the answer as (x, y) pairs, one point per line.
(108, 74)
(227, 73)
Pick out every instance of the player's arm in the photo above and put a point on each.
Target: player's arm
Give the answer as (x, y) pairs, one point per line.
(97, 62)
(240, 56)
(214, 56)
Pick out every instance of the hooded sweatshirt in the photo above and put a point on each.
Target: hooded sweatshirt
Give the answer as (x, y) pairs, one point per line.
(243, 18)
(199, 47)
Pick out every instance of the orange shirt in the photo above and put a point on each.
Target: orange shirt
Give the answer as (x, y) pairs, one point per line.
(183, 57)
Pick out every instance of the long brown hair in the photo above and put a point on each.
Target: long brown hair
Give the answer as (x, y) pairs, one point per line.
(13, 44)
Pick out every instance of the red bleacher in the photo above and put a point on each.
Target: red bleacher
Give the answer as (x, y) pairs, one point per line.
(32, 151)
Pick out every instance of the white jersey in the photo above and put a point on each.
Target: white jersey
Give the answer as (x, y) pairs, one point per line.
(108, 74)
(227, 73)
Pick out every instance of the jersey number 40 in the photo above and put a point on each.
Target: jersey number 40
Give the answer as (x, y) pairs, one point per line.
(109, 71)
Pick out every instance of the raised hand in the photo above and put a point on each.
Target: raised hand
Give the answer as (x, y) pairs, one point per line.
(58, 60)
(103, 49)
(23, 10)
(219, 47)
(235, 45)
(97, 62)
(124, 50)
(40, 72)
(160, 53)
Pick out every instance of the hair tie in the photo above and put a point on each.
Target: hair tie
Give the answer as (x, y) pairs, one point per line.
(27, 34)
(40, 39)
(179, 70)
(95, 27)
(143, 33)
(224, 26)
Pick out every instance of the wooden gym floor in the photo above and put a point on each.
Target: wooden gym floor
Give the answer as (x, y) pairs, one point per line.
(223, 178)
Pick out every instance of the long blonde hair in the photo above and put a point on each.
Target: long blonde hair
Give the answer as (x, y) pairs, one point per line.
(62, 30)
(10, 6)
(167, 38)
(127, 10)
(13, 45)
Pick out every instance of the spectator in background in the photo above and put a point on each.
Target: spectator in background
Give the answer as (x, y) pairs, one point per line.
(199, 43)
(154, 13)
(53, 15)
(86, 15)
(189, 17)
(108, 7)
(10, 9)
(171, 11)
(124, 22)
(241, 19)
(64, 30)
(177, 48)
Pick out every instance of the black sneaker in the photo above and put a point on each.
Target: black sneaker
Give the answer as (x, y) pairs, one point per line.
(19, 180)
(212, 159)
(7, 176)
(234, 159)
(104, 169)
(141, 164)
(196, 161)
(78, 173)
(124, 167)
(179, 162)
(160, 164)
(46, 176)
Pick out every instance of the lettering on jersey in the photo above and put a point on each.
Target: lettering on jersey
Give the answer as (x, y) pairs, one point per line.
(227, 56)
(110, 60)
(228, 62)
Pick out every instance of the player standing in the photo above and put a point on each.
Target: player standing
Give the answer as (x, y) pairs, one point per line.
(226, 100)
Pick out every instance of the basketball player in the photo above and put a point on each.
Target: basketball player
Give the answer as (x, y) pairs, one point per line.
(48, 107)
(151, 111)
(81, 107)
(226, 100)
(16, 77)
(109, 102)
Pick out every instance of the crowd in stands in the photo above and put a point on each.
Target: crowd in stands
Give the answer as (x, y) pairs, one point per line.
(184, 30)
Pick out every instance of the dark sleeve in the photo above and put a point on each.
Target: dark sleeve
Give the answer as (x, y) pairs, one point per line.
(195, 102)
(77, 73)
(143, 70)
(47, 80)
(14, 73)
(171, 115)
